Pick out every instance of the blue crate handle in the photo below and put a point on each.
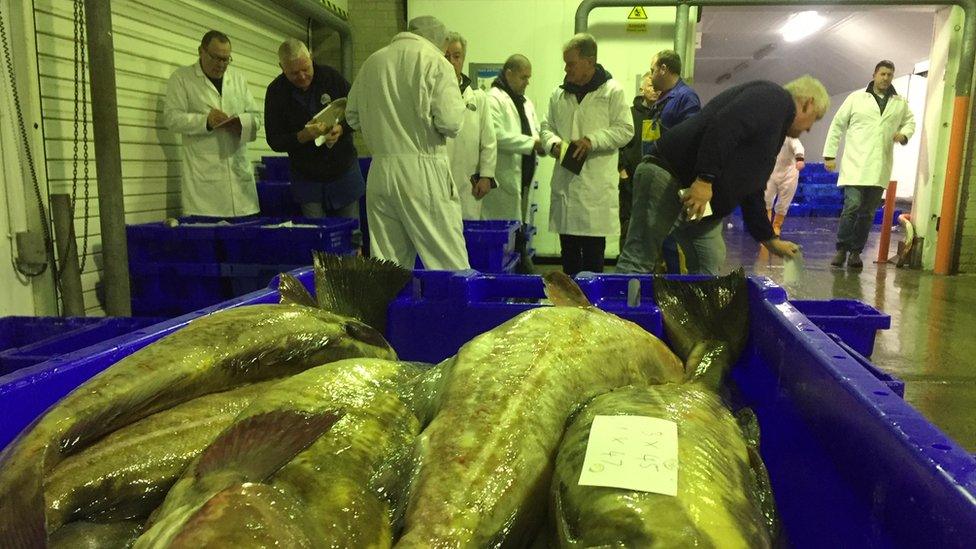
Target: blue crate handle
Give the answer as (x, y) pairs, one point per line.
(896, 385)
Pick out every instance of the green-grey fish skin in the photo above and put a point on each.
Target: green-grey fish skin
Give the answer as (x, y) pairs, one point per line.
(351, 482)
(211, 354)
(486, 456)
(93, 535)
(715, 505)
(128, 472)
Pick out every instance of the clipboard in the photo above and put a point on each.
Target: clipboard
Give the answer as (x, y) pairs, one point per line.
(331, 115)
(567, 161)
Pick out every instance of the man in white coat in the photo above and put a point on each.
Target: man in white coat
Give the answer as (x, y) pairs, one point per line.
(407, 103)
(517, 132)
(211, 107)
(591, 111)
(782, 183)
(871, 122)
(473, 151)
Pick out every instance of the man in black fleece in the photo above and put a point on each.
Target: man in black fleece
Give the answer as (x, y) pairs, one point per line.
(722, 157)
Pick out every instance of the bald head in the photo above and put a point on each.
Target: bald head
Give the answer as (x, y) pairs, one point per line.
(516, 72)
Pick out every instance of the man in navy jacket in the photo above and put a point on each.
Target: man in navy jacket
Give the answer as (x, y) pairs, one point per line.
(718, 159)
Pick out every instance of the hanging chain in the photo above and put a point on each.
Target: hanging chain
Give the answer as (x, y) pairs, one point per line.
(80, 118)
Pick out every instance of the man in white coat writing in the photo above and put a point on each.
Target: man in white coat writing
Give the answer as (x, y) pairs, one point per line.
(407, 103)
(871, 122)
(209, 104)
(589, 120)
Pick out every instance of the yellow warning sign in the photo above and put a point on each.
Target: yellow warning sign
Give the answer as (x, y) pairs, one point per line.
(637, 13)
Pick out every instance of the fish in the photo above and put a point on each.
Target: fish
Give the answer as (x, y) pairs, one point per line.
(214, 353)
(349, 485)
(94, 535)
(126, 474)
(484, 462)
(717, 502)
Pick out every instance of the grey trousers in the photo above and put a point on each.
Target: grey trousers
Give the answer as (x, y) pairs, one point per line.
(857, 217)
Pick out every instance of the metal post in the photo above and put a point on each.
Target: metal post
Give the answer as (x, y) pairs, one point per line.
(681, 36)
(886, 220)
(108, 158)
(71, 294)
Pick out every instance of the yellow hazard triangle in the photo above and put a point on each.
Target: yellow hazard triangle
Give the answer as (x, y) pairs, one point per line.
(637, 13)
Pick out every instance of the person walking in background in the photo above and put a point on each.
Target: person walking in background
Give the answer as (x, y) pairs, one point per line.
(782, 183)
(870, 122)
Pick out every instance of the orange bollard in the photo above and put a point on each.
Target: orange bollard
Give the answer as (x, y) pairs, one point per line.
(886, 220)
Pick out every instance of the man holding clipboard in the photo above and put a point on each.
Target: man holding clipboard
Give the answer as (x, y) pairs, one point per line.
(304, 117)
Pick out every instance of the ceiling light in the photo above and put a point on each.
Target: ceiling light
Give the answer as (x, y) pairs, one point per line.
(802, 24)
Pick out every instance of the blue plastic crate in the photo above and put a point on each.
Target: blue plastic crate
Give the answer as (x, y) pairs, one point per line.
(194, 240)
(21, 331)
(276, 168)
(490, 244)
(245, 278)
(87, 332)
(290, 241)
(879, 216)
(276, 200)
(896, 385)
(855, 322)
(851, 464)
(169, 289)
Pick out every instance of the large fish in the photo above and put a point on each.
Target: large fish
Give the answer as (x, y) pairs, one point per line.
(214, 353)
(718, 502)
(127, 474)
(347, 487)
(486, 457)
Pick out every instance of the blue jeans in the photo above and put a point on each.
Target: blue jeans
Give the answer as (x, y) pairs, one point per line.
(654, 214)
(856, 218)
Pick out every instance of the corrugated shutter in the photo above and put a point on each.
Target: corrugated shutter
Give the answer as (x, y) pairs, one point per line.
(152, 39)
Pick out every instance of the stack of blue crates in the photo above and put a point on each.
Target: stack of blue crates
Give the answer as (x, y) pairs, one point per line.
(274, 188)
(195, 264)
(817, 194)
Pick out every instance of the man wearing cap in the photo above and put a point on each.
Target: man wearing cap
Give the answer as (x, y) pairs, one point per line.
(407, 103)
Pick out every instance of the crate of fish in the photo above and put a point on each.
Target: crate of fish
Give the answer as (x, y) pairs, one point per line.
(490, 243)
(275, 199)
(281, 241)
(74, 334)
(572, 425)
(184, 240)
(855, 322)
(170, 289)
(276, 168)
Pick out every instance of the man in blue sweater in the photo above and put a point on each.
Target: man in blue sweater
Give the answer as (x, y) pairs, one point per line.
(700, 170)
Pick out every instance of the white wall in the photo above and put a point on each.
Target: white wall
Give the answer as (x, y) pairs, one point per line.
(538, 29)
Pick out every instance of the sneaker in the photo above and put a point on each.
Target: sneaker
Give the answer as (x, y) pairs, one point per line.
(854, 261)
(839, 258)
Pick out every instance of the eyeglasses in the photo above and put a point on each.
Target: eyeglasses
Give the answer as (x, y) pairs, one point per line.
(217, 59)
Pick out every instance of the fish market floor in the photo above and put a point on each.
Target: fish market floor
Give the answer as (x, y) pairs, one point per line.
(932, 340)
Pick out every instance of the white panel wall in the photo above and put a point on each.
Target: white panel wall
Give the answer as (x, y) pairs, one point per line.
(152, 39)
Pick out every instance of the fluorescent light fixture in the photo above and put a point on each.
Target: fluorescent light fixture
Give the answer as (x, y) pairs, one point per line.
(802, 24)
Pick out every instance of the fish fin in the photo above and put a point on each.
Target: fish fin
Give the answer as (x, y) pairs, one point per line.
(358, 287)
(762, 487)
(563, 291)
(260, 445)
(293, 292)
(22, 523)
(707, 321)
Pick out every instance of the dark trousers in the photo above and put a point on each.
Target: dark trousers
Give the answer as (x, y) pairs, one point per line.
(857, 217)
(582, 253)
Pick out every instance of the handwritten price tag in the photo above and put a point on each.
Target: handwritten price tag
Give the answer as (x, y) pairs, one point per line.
(632, 452)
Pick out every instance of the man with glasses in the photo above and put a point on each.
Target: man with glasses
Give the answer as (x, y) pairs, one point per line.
(211, 107)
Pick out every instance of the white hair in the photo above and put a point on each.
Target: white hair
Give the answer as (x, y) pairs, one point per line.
(453, 37)
(430, 28)
(808, 87)
(292, 49)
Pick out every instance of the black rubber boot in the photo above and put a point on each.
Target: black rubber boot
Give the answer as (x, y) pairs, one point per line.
(839, 258)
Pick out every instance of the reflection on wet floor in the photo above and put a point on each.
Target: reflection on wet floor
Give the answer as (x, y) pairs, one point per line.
(932, 341)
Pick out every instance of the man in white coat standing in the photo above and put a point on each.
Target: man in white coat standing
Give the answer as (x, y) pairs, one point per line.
(590, 111)
(211, 107)
(474, 150)
(407, 103)
(517, 132)
(871, 122)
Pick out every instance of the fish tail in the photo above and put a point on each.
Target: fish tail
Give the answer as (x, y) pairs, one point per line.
(357, 286)
(563, 290)
(294, 292)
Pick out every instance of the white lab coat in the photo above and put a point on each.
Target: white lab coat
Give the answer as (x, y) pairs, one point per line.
(406, 102)
(868, 137)
(588, 204)
(473, 150)
(505, 202)
(782, 182)
(217, 178)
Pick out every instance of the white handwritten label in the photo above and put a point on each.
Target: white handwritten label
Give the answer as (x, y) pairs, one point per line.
(633, 453)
